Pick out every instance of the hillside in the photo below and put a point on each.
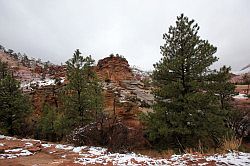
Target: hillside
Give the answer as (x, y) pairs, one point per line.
(127, 93)
(10, 60)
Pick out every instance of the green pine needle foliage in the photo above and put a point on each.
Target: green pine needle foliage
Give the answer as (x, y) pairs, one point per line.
(191, 100)
(14, 106)
(82, 98)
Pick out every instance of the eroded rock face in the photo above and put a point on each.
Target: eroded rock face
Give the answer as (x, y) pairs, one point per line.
(47, 94)
(114, 69)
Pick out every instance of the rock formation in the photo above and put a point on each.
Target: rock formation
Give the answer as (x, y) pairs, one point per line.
(114, 69)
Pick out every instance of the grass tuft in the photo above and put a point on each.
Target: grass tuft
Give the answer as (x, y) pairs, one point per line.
(231, 144)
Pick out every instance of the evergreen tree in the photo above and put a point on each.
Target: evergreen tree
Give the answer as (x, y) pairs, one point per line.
(187, 112)
(222, 87)
(14, 106)
(3, 70)
(83, 97)
(51, 124)
(25, 60)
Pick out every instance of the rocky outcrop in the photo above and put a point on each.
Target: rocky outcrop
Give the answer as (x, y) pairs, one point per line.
(114, 69)
(53, 71)
(47, 94)
(143, 96)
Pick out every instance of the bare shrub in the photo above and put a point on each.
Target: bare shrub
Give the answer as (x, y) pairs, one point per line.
(110, 133)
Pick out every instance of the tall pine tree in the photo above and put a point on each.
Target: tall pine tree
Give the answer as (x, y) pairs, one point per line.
(187, 112)
(83, 94)
(14, 106)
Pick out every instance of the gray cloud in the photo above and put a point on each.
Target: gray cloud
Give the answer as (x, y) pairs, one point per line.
(53, 29)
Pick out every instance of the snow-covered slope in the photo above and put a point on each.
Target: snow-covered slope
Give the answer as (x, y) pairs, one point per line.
(140, 74)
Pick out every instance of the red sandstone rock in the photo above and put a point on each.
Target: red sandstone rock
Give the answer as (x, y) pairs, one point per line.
(114, 69)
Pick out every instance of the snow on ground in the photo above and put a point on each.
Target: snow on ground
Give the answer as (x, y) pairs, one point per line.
(13, 153)
(40, 83)
(7, 138)
(29, 140)
(119, 159)
(233, 158)
(47, 145)
(79, 149)
(64, 147)
(28, 144)
(241, 96)
(86, 155)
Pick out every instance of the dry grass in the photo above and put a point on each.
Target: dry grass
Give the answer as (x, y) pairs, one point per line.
(156, 154)
(167, 153)
(228, 144)
(198, 150)
(231, 144)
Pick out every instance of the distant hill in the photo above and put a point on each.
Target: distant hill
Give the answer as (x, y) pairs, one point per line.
(29, 70)
(6, 58)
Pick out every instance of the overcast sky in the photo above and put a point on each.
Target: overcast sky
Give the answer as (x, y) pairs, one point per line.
(53, 29)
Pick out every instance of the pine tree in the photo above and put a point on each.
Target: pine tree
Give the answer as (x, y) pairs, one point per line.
(3, 70)
(222, 87)
(14, 106)
(187, 112)
(83, 99)
(51, 124)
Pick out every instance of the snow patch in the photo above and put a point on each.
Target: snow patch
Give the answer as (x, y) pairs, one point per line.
(7, 138)
(22, 152)
(241, 96)
(40, 83)
(97, 150)
(13, 150)
(98, 155)
(63, 156)
(64, 147)
(28, 144)
(79, 149)
(233, 158)
(47, 145)
(29, 140)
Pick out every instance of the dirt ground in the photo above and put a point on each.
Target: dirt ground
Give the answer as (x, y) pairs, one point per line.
(28, 152)
(39, 159)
